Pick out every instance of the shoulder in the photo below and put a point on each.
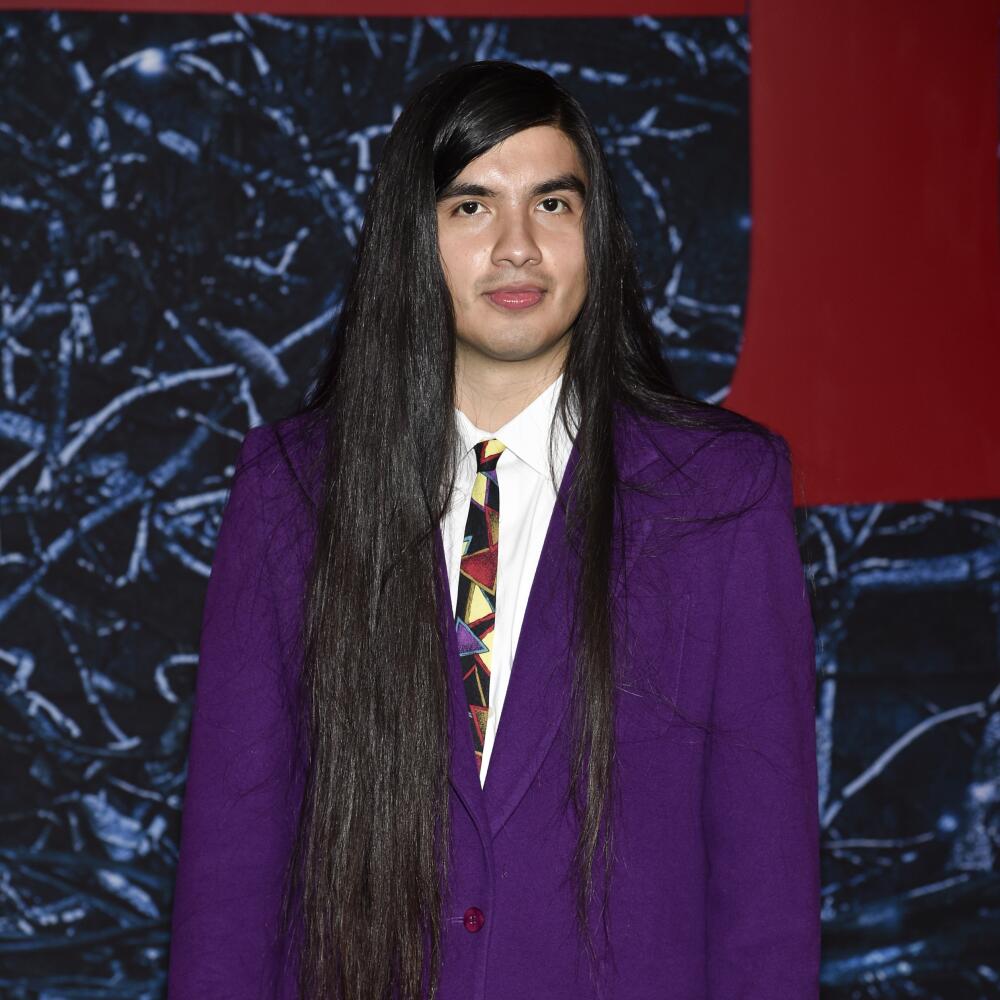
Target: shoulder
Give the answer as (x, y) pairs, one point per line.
(275, 490)
(704, 460)
(285, 457)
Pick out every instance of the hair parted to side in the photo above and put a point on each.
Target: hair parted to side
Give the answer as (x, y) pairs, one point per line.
(369, 871)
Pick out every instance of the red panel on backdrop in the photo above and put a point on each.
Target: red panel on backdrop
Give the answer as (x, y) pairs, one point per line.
(874, 309)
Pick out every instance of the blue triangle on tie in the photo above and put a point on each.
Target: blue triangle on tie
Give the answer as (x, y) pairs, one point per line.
(491, 474)
(468, 641)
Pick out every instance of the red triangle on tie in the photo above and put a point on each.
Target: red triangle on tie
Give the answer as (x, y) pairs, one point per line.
(481, 567)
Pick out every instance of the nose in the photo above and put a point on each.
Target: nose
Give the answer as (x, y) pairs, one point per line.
(516, 243)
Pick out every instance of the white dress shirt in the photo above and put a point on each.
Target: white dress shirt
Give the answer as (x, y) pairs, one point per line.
(527, 498)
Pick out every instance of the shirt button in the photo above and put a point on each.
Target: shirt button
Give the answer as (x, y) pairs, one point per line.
(473, 919)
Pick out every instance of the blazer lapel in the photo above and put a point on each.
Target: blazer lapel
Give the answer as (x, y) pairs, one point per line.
(539, 687)
(538, 692)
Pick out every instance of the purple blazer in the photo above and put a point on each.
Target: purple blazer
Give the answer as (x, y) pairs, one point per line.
(715, 893)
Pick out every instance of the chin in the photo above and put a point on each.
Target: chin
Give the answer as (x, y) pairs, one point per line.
(512, 348)
(514, 339)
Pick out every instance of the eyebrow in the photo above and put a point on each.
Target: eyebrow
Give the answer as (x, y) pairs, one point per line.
(564, 182)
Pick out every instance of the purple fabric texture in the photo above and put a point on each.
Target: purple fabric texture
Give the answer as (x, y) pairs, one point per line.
(715, 891)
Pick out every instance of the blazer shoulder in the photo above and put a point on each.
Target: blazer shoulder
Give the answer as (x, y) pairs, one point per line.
(723, 466)
(285, 457)
(275, 490)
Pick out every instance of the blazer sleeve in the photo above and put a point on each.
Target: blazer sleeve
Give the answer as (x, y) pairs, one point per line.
(237, 819)
(760, 805)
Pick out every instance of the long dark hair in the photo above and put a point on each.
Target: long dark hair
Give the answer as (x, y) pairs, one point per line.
(369, 870)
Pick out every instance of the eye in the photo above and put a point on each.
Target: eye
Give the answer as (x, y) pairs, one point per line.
(556, 201)
(465, 204)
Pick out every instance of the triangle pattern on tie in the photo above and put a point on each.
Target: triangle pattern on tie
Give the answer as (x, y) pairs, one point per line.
(481, 567)
(475, 610)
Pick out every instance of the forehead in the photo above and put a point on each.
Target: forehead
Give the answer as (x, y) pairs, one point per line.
(526, 157)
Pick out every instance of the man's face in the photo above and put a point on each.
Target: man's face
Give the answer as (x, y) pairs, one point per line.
(513, 219)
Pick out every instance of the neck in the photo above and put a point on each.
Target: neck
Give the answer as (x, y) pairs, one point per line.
(491, 392)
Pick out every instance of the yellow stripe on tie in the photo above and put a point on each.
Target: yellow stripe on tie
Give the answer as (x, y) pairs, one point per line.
(479, 607)
(479, 490)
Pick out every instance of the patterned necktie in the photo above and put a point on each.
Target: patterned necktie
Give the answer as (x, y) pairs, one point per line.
(476, 608)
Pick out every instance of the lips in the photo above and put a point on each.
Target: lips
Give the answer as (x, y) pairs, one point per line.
(515, 298)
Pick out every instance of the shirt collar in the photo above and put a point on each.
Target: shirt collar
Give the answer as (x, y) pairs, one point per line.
(527, 433)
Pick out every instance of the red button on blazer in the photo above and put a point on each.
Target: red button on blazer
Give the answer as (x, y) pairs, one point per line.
(473, 919)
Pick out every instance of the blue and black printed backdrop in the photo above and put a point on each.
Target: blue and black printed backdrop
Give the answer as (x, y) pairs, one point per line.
(180, 199)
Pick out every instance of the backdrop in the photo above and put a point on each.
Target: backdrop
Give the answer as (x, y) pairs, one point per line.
(814, 194)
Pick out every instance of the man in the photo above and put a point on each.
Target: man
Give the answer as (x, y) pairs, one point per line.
(506, 679)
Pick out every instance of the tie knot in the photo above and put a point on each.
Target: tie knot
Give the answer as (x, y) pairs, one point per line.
(487, 453)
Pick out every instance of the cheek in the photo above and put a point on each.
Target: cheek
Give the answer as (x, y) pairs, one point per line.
(459, 260)
(565, 248)
(453, 262)
(574, 272)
